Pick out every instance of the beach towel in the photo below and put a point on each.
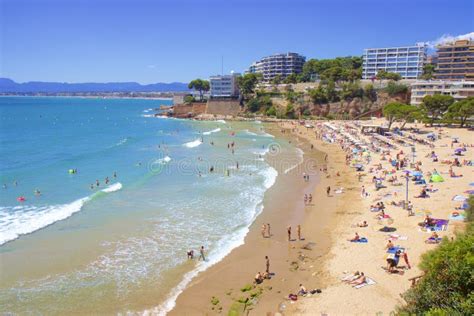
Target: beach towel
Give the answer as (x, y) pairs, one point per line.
(459, 217)
(368, 281)
(459, 198)
(361, 240)
(440, 225)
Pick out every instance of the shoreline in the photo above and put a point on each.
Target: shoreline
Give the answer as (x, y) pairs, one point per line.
(224, 279)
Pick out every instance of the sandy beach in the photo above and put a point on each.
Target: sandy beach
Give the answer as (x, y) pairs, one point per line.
(329, 222)
(292, 265)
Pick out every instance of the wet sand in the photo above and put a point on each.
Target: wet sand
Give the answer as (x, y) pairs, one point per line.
(291, 265)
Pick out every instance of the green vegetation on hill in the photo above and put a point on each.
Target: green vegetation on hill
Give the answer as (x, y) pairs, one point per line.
(448, 282)
(460, 111)
(337, 69)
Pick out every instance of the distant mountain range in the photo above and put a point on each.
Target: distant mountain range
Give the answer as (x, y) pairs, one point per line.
(10, 86)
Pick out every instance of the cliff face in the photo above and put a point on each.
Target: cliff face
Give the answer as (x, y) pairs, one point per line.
(213, 107)
(354, 108)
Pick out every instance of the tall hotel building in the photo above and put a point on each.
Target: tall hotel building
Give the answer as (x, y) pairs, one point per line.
(455, 61)
(278, 64)
(407, 61)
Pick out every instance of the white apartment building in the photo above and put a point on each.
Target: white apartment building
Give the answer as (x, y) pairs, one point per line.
(278, 64)
(407, 61)
(224, 86)
(457, 89)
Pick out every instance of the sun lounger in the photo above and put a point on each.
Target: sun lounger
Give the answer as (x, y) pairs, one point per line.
(368, 281)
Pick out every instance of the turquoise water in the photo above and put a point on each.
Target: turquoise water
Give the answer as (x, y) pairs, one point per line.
(121, 246)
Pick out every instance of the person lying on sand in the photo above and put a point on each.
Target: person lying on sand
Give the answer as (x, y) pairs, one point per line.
(363, 224)
(356, 237)
(423, 194)
(452, 174)
(361, 279)
(351, 277)
(302, 291)
(258, 278)
(433, 239)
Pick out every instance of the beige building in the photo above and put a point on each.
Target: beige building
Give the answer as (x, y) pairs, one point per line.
(455, 61)
(457, 89)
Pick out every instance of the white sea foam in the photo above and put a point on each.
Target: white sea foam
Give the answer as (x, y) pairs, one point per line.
(122, 141)
(112, 188)
(213, 131)
(163, 160)
(223, 248)
(25, 219)
(193, 144)
(246, 131)
(221, 121)
(267, 135)
(261, 152)
(148, 115)
(300, 160)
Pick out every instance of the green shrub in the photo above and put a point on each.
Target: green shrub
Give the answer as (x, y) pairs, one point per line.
(394, 88)
(448, 282)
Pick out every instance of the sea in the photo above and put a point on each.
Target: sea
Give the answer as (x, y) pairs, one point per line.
(101, 201)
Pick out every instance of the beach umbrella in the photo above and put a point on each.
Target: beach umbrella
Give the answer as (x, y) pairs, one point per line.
(469, 192)
(458, 150)
(459, 198)
(416, 173)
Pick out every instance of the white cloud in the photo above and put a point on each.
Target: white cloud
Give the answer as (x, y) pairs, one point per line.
(447, 38)
(151, 66)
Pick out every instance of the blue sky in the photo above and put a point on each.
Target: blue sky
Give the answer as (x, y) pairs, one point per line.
(176, 40)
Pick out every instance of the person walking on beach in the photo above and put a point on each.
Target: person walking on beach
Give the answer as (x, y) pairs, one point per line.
(299, 232)
(269, 232)
(264, 229)
(267, 263)
(289, 233)
(328, 190)
(310, 198)
(201, 254)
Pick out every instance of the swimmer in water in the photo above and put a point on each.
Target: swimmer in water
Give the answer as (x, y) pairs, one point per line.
(107, 180)
(115, 174)
(97, 183)
(37, 192)
(92, 186)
